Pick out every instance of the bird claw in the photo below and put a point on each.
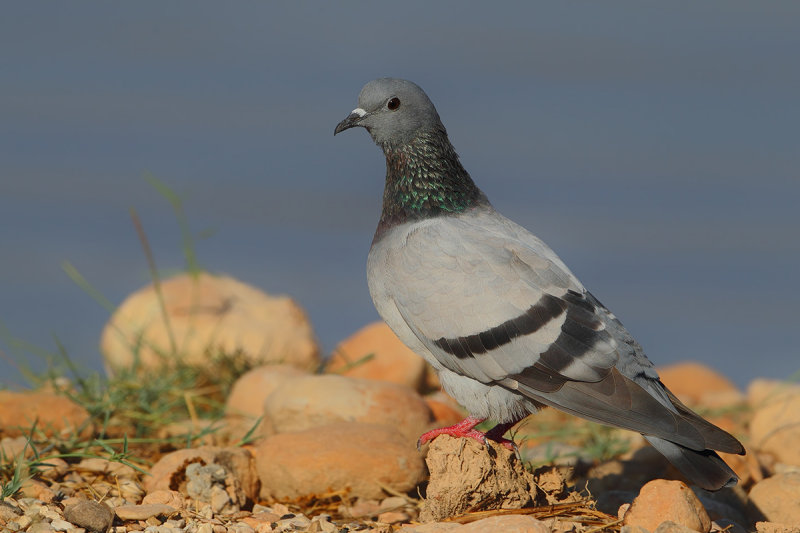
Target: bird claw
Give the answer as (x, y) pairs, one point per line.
(466, 428)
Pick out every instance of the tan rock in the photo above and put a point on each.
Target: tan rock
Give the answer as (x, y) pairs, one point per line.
(252, 388)
(762, 391)
(53, 414)
(169, 473)
(669, 526)
(661, 500)
(261, 518)
(692, 382)
(507, 524)
(38, 490)
(772, 527)
(173, 498)
(355, 457)
(143, 512)
(313, 401)
(207, 314)
(15, 447)
(777, 498)
(433, 527)
(393, 517)
(375, 352)
(775, 428)
(465, 476)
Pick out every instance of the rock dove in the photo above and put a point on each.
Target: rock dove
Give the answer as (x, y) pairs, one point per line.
(493, 309)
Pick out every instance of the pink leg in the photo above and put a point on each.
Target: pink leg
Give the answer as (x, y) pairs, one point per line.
(466, 428)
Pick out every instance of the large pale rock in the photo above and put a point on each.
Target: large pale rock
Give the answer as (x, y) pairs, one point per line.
(761, 392)
(695, 383)
(252, 388)
(464, 476)
(360, 459)
(375, 352)
(775, 428)
(169, 473)
(661, 500)
(53, 414)
(777, 498)
(207, 315)
(312, 401)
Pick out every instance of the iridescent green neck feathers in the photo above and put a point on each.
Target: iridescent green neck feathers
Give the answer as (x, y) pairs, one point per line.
(425, 179)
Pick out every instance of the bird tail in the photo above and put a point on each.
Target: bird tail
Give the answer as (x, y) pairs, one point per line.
(704, 468)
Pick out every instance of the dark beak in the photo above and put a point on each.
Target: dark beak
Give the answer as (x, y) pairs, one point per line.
(351, 121)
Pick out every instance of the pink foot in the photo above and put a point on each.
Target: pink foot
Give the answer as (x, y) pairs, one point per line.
(466, 428)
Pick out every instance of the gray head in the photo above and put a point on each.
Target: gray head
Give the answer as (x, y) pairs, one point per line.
(393, 111)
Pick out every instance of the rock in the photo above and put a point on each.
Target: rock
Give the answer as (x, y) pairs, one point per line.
(506, 524)
(693, 382)
(777, 498)
(53, 467)
(432, 527)
(54, 414)
(761, 391)
(258, 519)
(351, 456)
(40, 527)
(661, 500)
(207, 314)
(313, 401)
(464, 476)
(15, 447)
(375, 352)
(493, 524)
(252, 388)
(169, 473)
(771, 527)
(214, 484)
(633, 529)
(95, 516)
(173, 498)
(98, 465)
(669, 526)
(775, 428)
(8, 512)
(393, 517)
(143, 512)
(61, 525)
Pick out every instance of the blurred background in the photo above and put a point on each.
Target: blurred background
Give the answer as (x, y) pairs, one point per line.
(654, 146)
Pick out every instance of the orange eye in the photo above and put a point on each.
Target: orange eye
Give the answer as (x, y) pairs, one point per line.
(393, 104)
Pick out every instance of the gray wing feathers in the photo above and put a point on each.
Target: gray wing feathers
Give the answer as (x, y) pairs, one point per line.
(621, 402)
(514, 300)
(703, 467)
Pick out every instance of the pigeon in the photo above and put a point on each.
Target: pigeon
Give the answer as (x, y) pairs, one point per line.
(500, 317)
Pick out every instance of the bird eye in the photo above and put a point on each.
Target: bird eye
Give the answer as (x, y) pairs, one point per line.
(393, 104)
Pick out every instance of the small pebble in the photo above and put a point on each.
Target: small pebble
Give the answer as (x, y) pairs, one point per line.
(25, 521)
(61, 525)
(40, 527)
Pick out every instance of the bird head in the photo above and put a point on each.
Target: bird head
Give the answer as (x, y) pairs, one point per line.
(393, 111)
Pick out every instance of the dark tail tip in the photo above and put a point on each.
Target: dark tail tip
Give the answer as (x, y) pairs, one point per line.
(704, 468)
